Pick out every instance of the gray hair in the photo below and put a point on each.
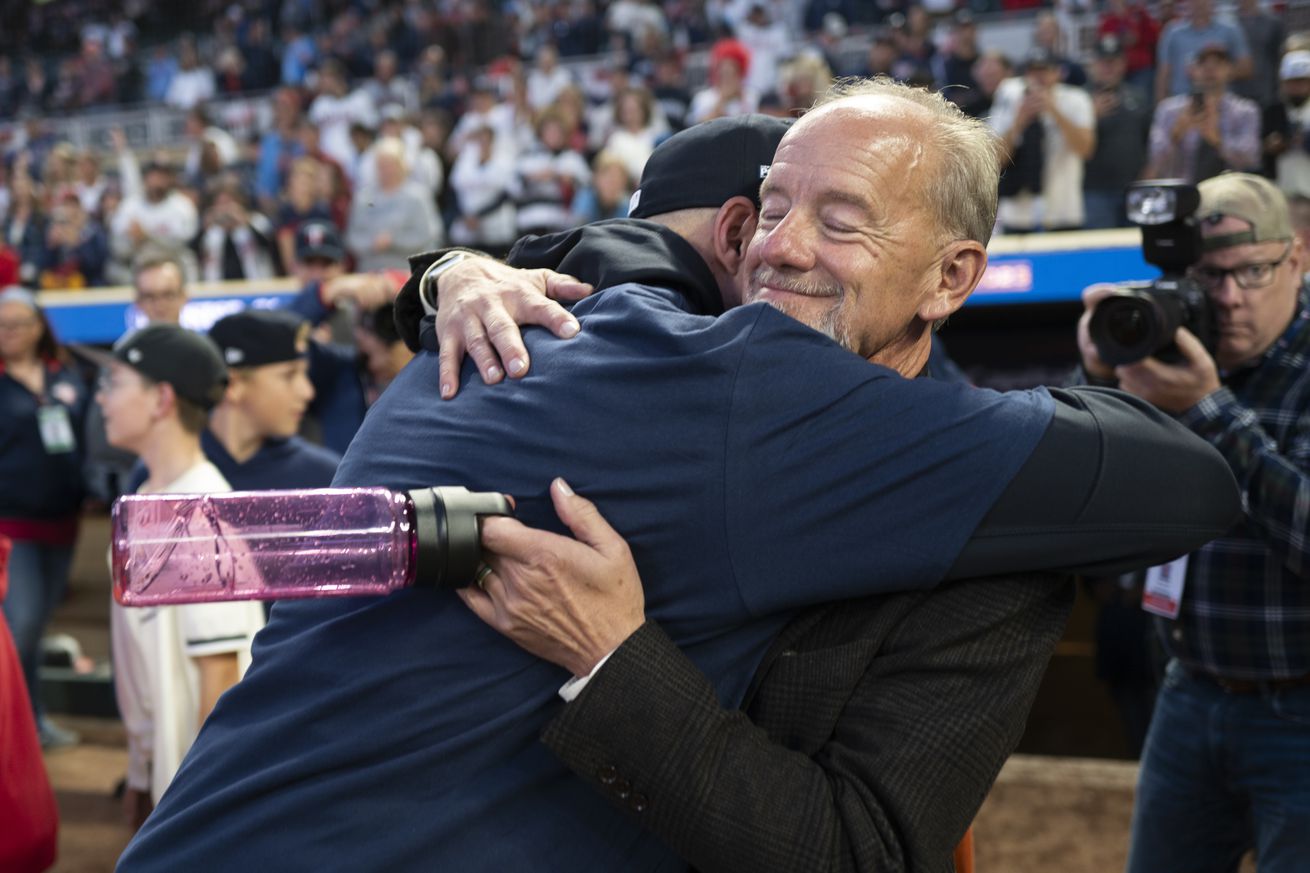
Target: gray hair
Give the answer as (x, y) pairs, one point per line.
(962, 191)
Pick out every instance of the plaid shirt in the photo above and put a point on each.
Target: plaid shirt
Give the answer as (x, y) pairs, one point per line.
(1239, 135)
(1246, 606)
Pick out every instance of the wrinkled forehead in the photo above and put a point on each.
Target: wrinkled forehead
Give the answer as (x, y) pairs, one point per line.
(857, 131)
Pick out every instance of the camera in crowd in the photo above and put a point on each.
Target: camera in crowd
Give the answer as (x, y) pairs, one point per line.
(1140, 319)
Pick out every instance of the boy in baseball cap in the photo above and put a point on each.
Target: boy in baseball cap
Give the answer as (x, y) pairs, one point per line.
(252, 432)
(171, 663)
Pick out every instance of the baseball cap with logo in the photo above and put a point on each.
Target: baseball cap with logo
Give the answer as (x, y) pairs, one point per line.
(708, 164)
(1295, 65)
(1253, 199)
(255, 337)
(319, 239)
(188, 361)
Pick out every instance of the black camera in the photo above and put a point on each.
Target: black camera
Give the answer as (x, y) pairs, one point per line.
(1139, 320)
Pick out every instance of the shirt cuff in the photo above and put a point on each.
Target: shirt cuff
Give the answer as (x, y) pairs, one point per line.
(572, 688)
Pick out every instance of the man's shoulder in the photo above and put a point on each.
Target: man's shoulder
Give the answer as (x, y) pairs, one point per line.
(202, 478)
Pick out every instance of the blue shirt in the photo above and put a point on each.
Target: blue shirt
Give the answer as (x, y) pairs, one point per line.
(289, 463)
(753, 466)
(1181, 41)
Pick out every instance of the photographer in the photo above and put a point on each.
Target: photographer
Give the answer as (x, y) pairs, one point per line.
(1236, 619)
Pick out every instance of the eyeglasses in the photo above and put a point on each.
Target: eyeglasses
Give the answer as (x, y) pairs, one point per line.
(157, 296)
(20, 324)
(1247, 276)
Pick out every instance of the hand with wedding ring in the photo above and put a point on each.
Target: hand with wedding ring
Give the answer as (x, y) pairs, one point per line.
(567, 601)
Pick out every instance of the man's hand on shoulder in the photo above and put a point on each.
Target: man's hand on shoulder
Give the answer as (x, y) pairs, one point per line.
(481, 305)
(570, 602)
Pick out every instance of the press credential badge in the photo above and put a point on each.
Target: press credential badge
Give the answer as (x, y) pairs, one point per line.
(56, 429)
(1163, 592)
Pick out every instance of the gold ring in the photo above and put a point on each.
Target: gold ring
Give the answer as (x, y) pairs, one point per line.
(483, 572)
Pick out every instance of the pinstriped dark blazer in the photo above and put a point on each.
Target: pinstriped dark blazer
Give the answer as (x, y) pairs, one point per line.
(871, 734)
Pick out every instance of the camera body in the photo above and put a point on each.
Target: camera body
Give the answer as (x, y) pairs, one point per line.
(1139, 320)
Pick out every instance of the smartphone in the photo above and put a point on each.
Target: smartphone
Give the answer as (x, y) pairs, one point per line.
(1198, 102)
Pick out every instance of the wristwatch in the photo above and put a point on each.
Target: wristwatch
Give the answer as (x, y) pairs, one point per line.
(427, 286)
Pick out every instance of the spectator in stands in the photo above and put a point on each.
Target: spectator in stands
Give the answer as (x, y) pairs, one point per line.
(389, 88)
(154, 216)
(769, 42)
(200, 131)
(1049, 129)
(299, 55)
(1123, 126)
(25, 227)
(727, 93)
(1264, 40)
(881, 58)
(1130, 22)
(160, 70)
(395, 219)
(159, 290)
(636, 134)
(95, 75)
(547, 78)
(1199, 135)
(336, 109)
(608, 194)
(955, 63)
(546, 178)
(915, 52)
(89, 184)
(335, 185)
(1181, 43)
(480, 179)
(59, 172)
(304, 199)
(989, 71)
(261, 66)
(36, 87)
(1047, 36)
(193, 83)
(75, 251)
(484, 110)
(1285, 126)
(42, 404)
(803, 80)
(1299, 205)
(278, 148)
(235, 243)
(631, 18)
(670, 90)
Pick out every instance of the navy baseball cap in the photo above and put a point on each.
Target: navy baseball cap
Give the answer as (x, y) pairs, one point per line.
(188, 361)
(255, 337)
(708, 164)
(319, 239)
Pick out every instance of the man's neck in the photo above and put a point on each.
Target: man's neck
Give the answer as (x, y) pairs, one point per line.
(169, 453)
(907, 358)
(235, 433)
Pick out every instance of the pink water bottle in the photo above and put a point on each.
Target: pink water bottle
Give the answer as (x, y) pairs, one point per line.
(274, 545)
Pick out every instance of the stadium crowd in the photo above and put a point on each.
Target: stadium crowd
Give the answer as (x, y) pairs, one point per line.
(407, 124)
(394, 127)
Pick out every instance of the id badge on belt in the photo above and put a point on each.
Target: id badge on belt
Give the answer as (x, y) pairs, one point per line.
(1163, 592)
(56, 429)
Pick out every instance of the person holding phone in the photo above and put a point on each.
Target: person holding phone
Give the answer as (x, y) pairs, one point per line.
(1198, 135)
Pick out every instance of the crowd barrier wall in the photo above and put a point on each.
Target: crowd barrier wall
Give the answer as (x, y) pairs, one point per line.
(1037, 268)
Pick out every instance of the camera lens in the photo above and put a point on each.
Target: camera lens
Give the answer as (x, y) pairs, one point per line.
(1128, 326)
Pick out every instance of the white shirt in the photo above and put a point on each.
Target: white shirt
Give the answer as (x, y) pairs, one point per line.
(335, 115)
(156, 680)
(190, 87)
(1061, 202)
(1293, 165)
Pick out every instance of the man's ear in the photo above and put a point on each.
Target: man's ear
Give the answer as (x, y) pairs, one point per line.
(734, 225)
(962, 267)
(165, 401)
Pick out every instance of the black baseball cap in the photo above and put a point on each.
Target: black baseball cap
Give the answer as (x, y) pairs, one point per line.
(1109, 46)
(188, 361)
(319, 239)
(708, 164)
(255, 337)
(1039, 57)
